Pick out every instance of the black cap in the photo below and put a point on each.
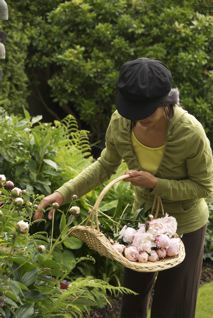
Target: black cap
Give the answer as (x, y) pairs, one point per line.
(142, 86)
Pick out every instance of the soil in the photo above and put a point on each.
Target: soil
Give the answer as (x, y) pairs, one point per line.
(113, 310)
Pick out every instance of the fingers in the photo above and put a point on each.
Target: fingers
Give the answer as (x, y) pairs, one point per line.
(55, 197)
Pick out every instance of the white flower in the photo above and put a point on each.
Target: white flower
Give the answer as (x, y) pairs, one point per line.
(127, 234)
(141, 228)
(119, 247)
(131, 253)
(165, 225)
(143, 241)
(22, 226)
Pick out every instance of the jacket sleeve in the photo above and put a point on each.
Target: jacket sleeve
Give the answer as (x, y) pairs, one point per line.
(199, 182)
(95, 173)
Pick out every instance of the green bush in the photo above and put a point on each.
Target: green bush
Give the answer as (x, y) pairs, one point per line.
(72, 50)
(40, 157)
(37, 277)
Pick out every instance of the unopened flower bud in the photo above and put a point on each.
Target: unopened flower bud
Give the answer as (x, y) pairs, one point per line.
(74, 210)
(9, 185)
(64, 284)
(22, 227)
(41, 248)
(19, 201)
(16, 192)
(74, 197)
(2, 179)
(55, 205)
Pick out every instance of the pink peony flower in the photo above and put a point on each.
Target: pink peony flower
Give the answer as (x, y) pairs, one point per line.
(143, 241)
(153, 256)
(156, 227)
(170, 225)
(127, 234)
(161, 253)
(131, 253)
(119, 247)
(143, 257)
(165, 225)
(162, 241)
(141, 228)
(174, 247)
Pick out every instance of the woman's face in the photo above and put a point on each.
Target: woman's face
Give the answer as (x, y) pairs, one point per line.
(154, 118)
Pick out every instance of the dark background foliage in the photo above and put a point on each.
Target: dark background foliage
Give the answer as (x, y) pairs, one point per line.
(64, 56)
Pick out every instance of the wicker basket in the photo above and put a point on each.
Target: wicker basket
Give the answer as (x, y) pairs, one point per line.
(92, 236)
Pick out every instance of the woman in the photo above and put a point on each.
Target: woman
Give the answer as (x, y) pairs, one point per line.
(168, 155)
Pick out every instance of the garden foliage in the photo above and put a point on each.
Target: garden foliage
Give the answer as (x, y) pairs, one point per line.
(70, 52)
(37, 277)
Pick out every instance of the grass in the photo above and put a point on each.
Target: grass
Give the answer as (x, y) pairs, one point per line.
(204, 303)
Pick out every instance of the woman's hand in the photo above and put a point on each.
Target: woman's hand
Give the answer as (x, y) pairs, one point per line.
(55, 197)
(142, 179)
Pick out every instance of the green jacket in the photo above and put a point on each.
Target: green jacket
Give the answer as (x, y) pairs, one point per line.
(185, 175)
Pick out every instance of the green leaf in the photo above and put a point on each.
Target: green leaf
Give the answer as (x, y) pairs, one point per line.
(72, 243)
(51, 163)
(62, 222)
(109, 205)
(29, 277)
(36, 119)
(25, 312)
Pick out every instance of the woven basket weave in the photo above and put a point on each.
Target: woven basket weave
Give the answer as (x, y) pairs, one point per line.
(96, 240)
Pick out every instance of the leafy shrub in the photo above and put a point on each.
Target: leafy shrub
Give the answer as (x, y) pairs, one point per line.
(69, 54)
(36, 277)
(40, 157)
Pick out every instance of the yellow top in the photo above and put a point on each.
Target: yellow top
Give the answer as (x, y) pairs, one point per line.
(148, 157)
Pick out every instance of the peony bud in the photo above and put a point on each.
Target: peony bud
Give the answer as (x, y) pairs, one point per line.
(143, 257)
(119, 247)
(153, 257)
(55, 205)
(131, 253)
(162, 241)
(75, 210)
(9, 185)
(161, 253)
(16, 192)
(41, 248)
(22, 227)
(19, 201)
(64, 284)
(174, 247)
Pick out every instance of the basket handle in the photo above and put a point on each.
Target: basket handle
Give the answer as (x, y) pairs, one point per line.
(94, 209)
(157, 207)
